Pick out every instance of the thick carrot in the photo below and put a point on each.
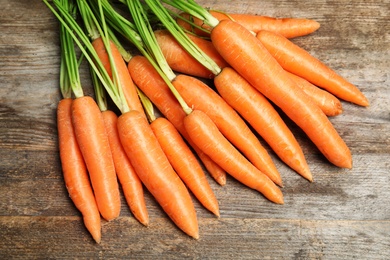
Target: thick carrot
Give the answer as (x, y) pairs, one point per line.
(328, 103)
(128, 178)
(199, 96)
(206, 135)
(75, 172)
(93, 142)
(154, 87)
(181, 61)
(300, 62)
(155, 171)
(263, 117)
(288, 27)
(243, 50)
(184, 163)
(125, 80)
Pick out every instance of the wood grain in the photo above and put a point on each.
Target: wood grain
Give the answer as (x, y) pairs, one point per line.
(343, 214)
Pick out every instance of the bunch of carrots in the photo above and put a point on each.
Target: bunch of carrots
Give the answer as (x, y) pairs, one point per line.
(254, 67)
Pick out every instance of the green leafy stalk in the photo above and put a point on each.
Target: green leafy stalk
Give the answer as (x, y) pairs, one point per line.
(148, 105)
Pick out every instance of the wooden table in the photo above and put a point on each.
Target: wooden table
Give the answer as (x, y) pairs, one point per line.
(343, 214)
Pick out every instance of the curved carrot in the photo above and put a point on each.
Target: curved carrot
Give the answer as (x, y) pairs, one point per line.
(128, 178)
(75, 172)
(158, 92)
(93, 142)
(155, 171)
(184, 163)
(263, 117)
(300, 62)
(125, 80)
(328, 103)
(181, 61)
(288, 27)
(242, 50)
(206, 135)
(199, 96)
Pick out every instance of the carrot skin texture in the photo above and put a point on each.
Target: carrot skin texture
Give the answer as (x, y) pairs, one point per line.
(328, 103)
(128, 178)
(184, 163)
(93, 142)
(126, 82)
(75, 172)
(158, 92)
(300, 62)
(242, 50)
(263, 117)
(206, 135)
(199, 96)
(155, 171)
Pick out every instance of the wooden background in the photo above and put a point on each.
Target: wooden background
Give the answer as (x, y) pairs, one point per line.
(344, 214)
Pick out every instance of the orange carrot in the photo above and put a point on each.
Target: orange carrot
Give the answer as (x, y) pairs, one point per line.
(184, 163)
(93, 142)
(75, 172)
(128, 178)
(199, 96)
(158, 92)
(328, 103)
(288, 27)
(300, 62)
(242, 51)
(155, 171)
(263, 117)
(181, 61)
(206, 135)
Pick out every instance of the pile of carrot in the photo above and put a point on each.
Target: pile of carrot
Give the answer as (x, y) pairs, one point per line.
(199, 128)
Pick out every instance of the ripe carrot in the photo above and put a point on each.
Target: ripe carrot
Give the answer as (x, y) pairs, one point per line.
(263, 117)
(125, 80)
(288, 27)
(199, 96)
(184, 163)
(154, 87)
(328, 103)
(128, 178)
(181, 61)
(155, 171)
(93, 142)
(206, 135)
(75, 172)
(300, 62)
(242, 51)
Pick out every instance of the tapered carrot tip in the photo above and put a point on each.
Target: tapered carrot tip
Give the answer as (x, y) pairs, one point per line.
(221, 180)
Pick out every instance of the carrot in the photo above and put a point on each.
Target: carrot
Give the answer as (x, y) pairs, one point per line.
(181, 61)
(150, 82)
(199, 96)
(328, 103)
(155, 171)
(262, 116)
(128, 178)
(184, 163)
(75, 172)
(206, 135)
(288, 27)
(300, 62)
(242, 51)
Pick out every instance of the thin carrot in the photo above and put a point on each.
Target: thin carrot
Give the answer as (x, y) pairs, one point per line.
(300, 62)
(185, 163)
(288, 27)
(206, 135)
(328, 103)
(199, 96)
(75, 172)
(155, 171)
(263, 117)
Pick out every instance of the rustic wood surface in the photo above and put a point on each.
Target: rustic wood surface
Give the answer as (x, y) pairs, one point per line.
(344, 214)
